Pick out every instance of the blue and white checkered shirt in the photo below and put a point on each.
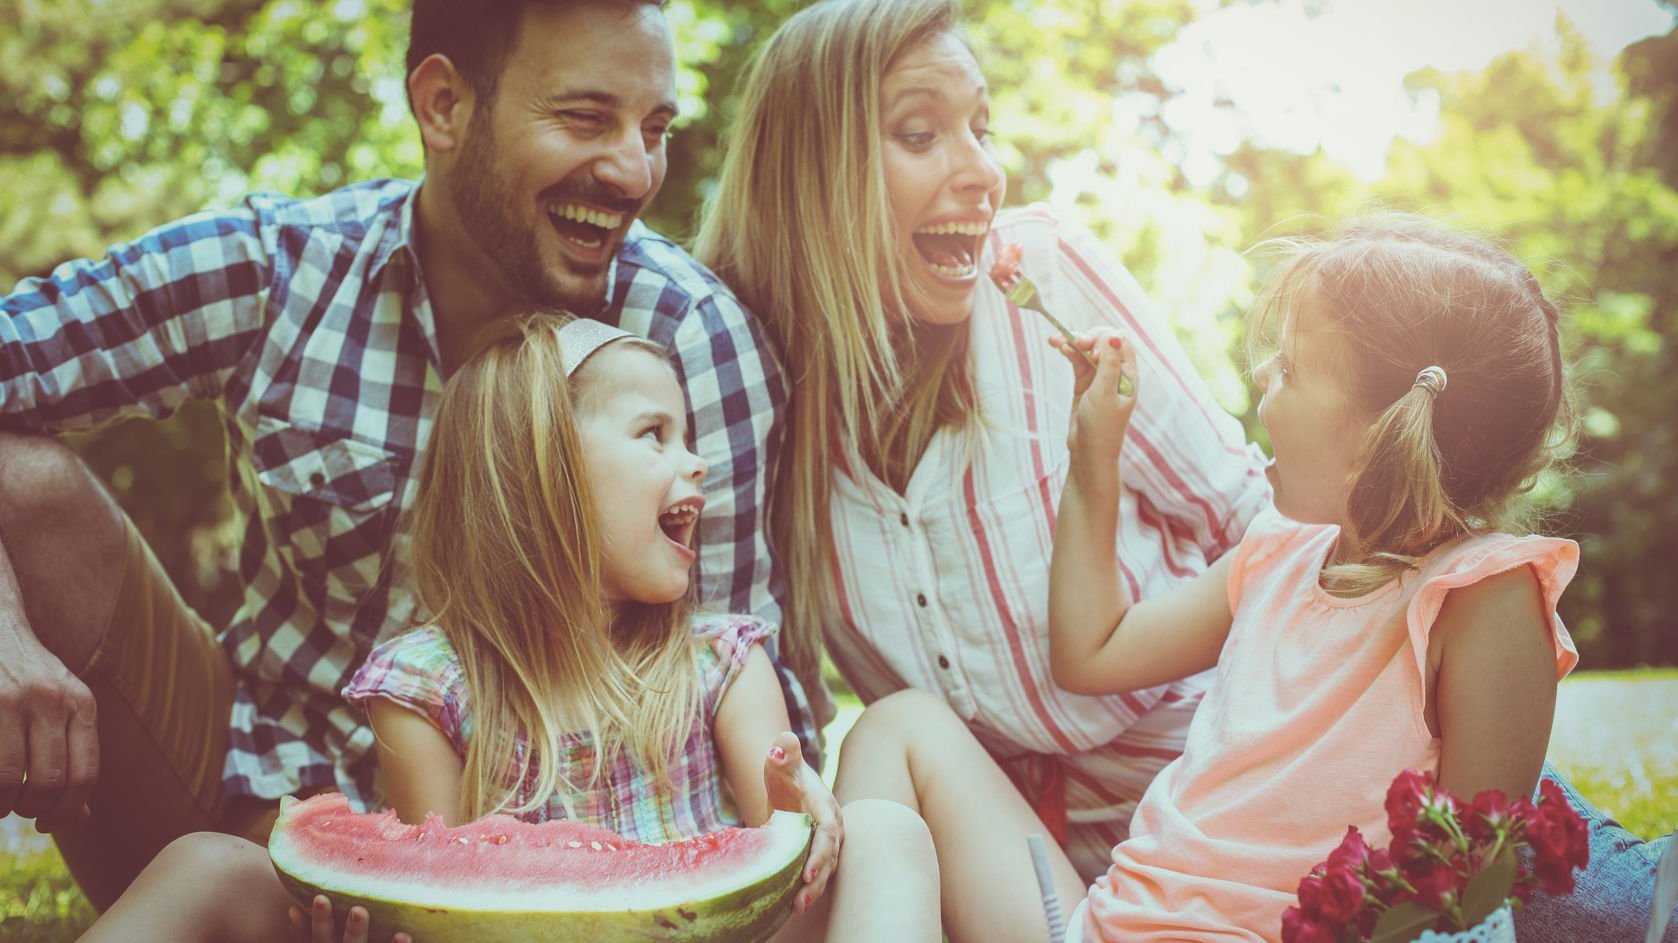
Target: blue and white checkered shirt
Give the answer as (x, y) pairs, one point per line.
(308, 321)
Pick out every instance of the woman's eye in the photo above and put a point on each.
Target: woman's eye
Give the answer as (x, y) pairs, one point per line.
(916, 140)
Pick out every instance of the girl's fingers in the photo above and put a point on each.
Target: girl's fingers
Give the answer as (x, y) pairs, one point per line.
(320, 920)
(299, 924)
(355, 926)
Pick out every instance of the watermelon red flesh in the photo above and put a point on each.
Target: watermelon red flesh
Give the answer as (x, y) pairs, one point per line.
(500, 879)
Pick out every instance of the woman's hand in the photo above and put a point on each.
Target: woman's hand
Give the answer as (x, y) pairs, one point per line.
(794, 787)
(319, 926)
(1103, 392)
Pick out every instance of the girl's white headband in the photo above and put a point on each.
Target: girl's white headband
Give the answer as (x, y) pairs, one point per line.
(580, 338)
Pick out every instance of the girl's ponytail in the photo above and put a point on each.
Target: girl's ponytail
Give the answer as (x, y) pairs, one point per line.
(1398, 501)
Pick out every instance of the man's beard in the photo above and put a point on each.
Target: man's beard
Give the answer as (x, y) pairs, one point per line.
(491, 218)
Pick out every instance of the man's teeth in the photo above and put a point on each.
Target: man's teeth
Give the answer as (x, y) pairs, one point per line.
(583, 214)
(974, 228)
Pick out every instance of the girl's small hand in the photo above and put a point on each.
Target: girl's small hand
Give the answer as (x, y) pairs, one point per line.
(319, 926)
(1103, 393)
(794, 787)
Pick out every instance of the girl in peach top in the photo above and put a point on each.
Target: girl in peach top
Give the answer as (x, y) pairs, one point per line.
(1381, 618)
(1381, 621)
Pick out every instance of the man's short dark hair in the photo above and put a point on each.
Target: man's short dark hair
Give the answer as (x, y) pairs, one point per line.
(476, 35)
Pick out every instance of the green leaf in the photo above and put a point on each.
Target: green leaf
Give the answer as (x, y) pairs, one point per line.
(1488, 890)
(1402, 924)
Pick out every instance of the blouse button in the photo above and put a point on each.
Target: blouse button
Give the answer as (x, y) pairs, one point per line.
(943, 662)
(920, 600)
(903, 518)
(317, 481)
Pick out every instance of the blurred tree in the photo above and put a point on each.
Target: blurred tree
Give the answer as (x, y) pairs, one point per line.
(117, 115)
(1532, 149)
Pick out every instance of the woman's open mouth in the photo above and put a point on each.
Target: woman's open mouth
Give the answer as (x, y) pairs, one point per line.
(951, 249)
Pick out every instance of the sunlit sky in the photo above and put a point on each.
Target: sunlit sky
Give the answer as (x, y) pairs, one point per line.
(1304, 73)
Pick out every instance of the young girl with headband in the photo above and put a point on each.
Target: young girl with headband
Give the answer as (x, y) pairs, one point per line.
(559, 673)
(1383, 617)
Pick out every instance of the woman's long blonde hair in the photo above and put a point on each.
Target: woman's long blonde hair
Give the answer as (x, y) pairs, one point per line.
(507, 552)
(1403, 293)
(801, 229)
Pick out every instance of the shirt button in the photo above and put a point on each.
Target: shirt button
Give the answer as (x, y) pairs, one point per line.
(317, 481)
(920, 600)
(943, 662)
(903, 518)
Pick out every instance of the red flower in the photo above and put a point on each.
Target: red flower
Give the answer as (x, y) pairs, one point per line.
(1342, 894)
(1352, 853)
(1405, 798)
(1311, 892)
(1300, 927)
(1438, 846)
(1488, 816)
(1434, 881)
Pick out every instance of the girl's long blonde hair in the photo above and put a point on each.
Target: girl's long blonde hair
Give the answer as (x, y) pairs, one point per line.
(801, 228)
(507, 552)
(1403, 293)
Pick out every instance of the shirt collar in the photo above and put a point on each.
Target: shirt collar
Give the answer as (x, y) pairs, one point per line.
(397, 241)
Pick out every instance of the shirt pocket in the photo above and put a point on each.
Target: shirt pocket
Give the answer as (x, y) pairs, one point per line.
(328, 506)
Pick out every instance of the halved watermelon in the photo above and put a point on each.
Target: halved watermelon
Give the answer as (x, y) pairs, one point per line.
(500, 880)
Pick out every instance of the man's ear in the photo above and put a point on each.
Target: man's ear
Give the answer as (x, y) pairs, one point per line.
(442, 100)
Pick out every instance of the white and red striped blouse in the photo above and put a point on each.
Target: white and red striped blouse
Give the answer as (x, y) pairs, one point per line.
(946, 587)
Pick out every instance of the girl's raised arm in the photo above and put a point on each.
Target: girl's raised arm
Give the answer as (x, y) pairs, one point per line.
(420, 768)
(1099, 642)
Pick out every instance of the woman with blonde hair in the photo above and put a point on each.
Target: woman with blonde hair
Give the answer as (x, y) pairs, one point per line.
(915, 508)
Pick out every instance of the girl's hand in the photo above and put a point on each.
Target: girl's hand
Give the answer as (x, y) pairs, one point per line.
(318, 926)
(794, 787)
(1102, 399)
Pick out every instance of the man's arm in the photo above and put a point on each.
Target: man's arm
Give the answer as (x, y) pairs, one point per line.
(158, 321)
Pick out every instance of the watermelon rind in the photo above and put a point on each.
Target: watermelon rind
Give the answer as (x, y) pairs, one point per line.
(750, 912)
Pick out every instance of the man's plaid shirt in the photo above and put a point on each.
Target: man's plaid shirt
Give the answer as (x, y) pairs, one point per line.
(307, 320)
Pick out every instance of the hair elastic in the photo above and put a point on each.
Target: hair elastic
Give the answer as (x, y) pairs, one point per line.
(1431, 379)
(581, 337)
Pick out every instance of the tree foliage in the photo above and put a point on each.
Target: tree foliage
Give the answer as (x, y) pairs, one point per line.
(117, 115)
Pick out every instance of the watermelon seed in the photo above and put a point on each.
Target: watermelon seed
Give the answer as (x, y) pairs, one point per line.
(595, 845)
(574, 844)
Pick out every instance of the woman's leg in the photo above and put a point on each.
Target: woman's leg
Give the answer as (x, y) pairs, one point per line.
(886, 887)
(911, 748)
(203, 887)
(1613, 898)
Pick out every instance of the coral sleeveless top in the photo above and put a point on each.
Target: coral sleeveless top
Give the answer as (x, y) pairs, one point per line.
(1316, 706)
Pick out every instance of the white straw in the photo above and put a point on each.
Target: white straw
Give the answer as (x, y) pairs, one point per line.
(1046, 884)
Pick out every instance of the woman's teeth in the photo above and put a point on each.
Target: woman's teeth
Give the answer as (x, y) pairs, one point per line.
(951, 249)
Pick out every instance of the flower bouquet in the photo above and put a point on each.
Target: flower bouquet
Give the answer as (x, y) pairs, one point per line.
(1451, 872)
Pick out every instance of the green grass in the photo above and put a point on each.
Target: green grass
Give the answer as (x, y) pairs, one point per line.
(1615, 739)
(38, 901)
